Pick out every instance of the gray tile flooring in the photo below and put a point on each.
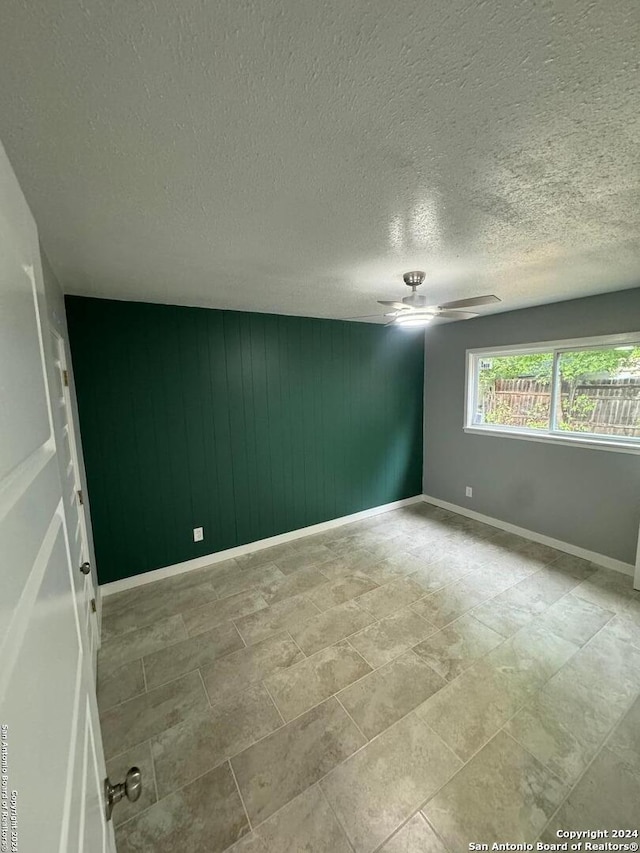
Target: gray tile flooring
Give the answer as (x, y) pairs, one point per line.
(412, 682)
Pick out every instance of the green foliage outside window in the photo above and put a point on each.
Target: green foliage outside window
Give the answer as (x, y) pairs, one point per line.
(575, 368)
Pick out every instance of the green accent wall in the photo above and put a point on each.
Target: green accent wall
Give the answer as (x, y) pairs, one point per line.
(248, 425)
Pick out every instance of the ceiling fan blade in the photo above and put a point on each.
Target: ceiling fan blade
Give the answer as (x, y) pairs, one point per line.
(399, 306)
(468, 303)
(455, 315)
(365, 317)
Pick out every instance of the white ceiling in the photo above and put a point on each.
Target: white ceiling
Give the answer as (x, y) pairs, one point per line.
(296, 156)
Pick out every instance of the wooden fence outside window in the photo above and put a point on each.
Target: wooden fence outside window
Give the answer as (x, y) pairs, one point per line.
(606, 407)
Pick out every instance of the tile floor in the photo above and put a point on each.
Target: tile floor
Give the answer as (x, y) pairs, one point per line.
(413, 682)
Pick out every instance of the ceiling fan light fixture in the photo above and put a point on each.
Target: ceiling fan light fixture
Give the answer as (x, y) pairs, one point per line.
(414, 318)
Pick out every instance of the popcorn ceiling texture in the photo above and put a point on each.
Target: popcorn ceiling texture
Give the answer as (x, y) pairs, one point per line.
(297, 157)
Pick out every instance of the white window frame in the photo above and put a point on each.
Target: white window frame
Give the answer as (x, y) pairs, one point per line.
(553, 436)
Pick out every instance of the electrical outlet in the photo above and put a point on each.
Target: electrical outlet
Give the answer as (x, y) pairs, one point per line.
(198, 534)
(468, 492)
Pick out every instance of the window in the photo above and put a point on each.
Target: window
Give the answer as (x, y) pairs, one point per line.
(585, 391)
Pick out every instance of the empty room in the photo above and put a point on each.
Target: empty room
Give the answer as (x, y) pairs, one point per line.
(319, 426)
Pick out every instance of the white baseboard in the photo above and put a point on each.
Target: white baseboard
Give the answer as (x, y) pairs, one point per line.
(219, 556)
(592, 556)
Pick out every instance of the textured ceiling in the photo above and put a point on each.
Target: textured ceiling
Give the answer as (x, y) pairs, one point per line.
(296, 157)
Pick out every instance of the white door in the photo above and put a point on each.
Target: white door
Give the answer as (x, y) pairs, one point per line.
(51, 750)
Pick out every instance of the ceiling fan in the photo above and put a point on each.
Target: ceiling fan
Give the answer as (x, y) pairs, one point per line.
(414, 311)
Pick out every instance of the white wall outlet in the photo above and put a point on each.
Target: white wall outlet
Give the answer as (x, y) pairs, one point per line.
(198, 534)
(468, 491)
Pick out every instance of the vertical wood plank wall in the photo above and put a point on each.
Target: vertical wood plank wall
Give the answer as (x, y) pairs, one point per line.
(248, 425)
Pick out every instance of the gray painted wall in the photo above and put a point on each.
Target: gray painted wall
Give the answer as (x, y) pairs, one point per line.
(587, 497)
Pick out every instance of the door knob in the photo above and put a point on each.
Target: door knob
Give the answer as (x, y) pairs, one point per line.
(85, 568)
(131, 788)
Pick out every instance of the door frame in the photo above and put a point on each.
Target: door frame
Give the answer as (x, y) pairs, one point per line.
(91, 589)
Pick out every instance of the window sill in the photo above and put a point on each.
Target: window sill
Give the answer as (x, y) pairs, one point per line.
(553, 438)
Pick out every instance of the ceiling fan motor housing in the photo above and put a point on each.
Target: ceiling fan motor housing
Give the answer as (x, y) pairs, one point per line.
(416, 300)
(414, 279)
